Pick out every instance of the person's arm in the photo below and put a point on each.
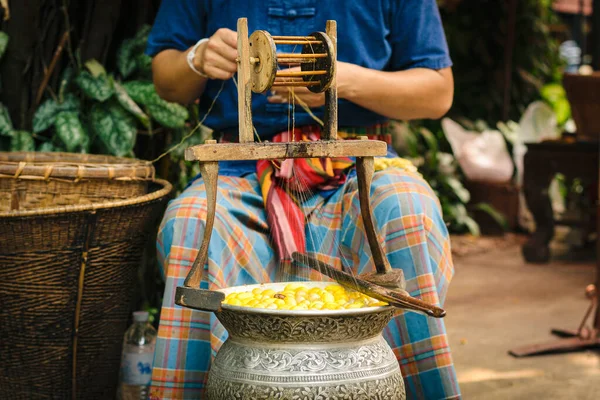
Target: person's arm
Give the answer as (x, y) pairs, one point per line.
(174, 79)
(412, 94)
(417, 82)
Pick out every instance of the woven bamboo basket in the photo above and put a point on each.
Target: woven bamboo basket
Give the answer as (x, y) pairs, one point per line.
(73, 229)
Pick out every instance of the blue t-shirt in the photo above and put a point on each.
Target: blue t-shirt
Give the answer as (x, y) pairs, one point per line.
(387, 35)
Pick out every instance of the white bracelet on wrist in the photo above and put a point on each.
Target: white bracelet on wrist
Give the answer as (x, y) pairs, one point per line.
(192, 54)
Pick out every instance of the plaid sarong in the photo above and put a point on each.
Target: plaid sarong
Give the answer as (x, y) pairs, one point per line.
(409, 220)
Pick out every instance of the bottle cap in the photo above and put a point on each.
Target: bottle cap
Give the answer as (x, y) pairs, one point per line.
(141, 316)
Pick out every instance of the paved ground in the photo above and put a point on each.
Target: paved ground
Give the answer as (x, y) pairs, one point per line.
(497, 302)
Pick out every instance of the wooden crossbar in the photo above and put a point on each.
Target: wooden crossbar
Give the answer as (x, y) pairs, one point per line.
(267, 150)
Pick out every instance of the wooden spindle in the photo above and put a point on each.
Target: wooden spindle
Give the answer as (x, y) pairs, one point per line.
(296, 60)
(302, 42)
(284, 83)
(294, 79)
(289, 74)
(253, 60)
(294, 38)
(301, 55)
(300, 84)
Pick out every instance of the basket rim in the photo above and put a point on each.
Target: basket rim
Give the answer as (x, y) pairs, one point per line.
(166, 189)
(51, 156)
(72, 166)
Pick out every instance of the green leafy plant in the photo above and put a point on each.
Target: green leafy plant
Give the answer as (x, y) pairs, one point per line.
(439, 168)
(101, 112)
(555, 95)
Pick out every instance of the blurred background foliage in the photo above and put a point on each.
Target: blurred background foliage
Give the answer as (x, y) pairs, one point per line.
(91, 90)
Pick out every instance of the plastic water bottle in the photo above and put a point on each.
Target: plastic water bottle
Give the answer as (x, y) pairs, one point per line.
(137, 358)
(571, 53)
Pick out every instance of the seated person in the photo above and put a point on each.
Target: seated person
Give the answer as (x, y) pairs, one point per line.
(393, 64)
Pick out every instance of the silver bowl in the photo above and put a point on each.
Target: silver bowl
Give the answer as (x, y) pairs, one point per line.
(304, 354)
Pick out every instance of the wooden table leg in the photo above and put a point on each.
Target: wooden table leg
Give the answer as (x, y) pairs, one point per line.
(536, 181)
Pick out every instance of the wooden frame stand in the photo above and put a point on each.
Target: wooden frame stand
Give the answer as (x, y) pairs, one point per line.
(258, 72)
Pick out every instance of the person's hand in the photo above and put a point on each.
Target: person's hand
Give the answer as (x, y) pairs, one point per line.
(298, 95)
(216, 58)
(302, 94)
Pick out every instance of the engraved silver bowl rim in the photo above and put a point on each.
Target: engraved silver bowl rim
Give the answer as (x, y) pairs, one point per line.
(300, 313)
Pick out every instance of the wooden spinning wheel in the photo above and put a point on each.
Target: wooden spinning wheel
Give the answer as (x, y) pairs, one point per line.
(258, 62)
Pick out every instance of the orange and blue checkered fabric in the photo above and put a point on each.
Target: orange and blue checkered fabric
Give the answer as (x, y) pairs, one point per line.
(414, 237)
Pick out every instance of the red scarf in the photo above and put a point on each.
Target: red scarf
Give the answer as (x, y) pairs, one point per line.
(282, 182)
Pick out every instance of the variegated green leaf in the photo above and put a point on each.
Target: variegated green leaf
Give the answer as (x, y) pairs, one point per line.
(177, 110)
(86, 142)
(144, 64)
(95, 68)
(127, 102)
(6, 126)
(22, 141)
(47, 147)
(170, 115)
(100, 88)
(70, 103)
(130, 55)
(140, 92)
(3, 43)
(126, 62)
(165, 117)
(65, 80)
(114, 127)
(70, 131)
(141, 37)
(45, 116)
